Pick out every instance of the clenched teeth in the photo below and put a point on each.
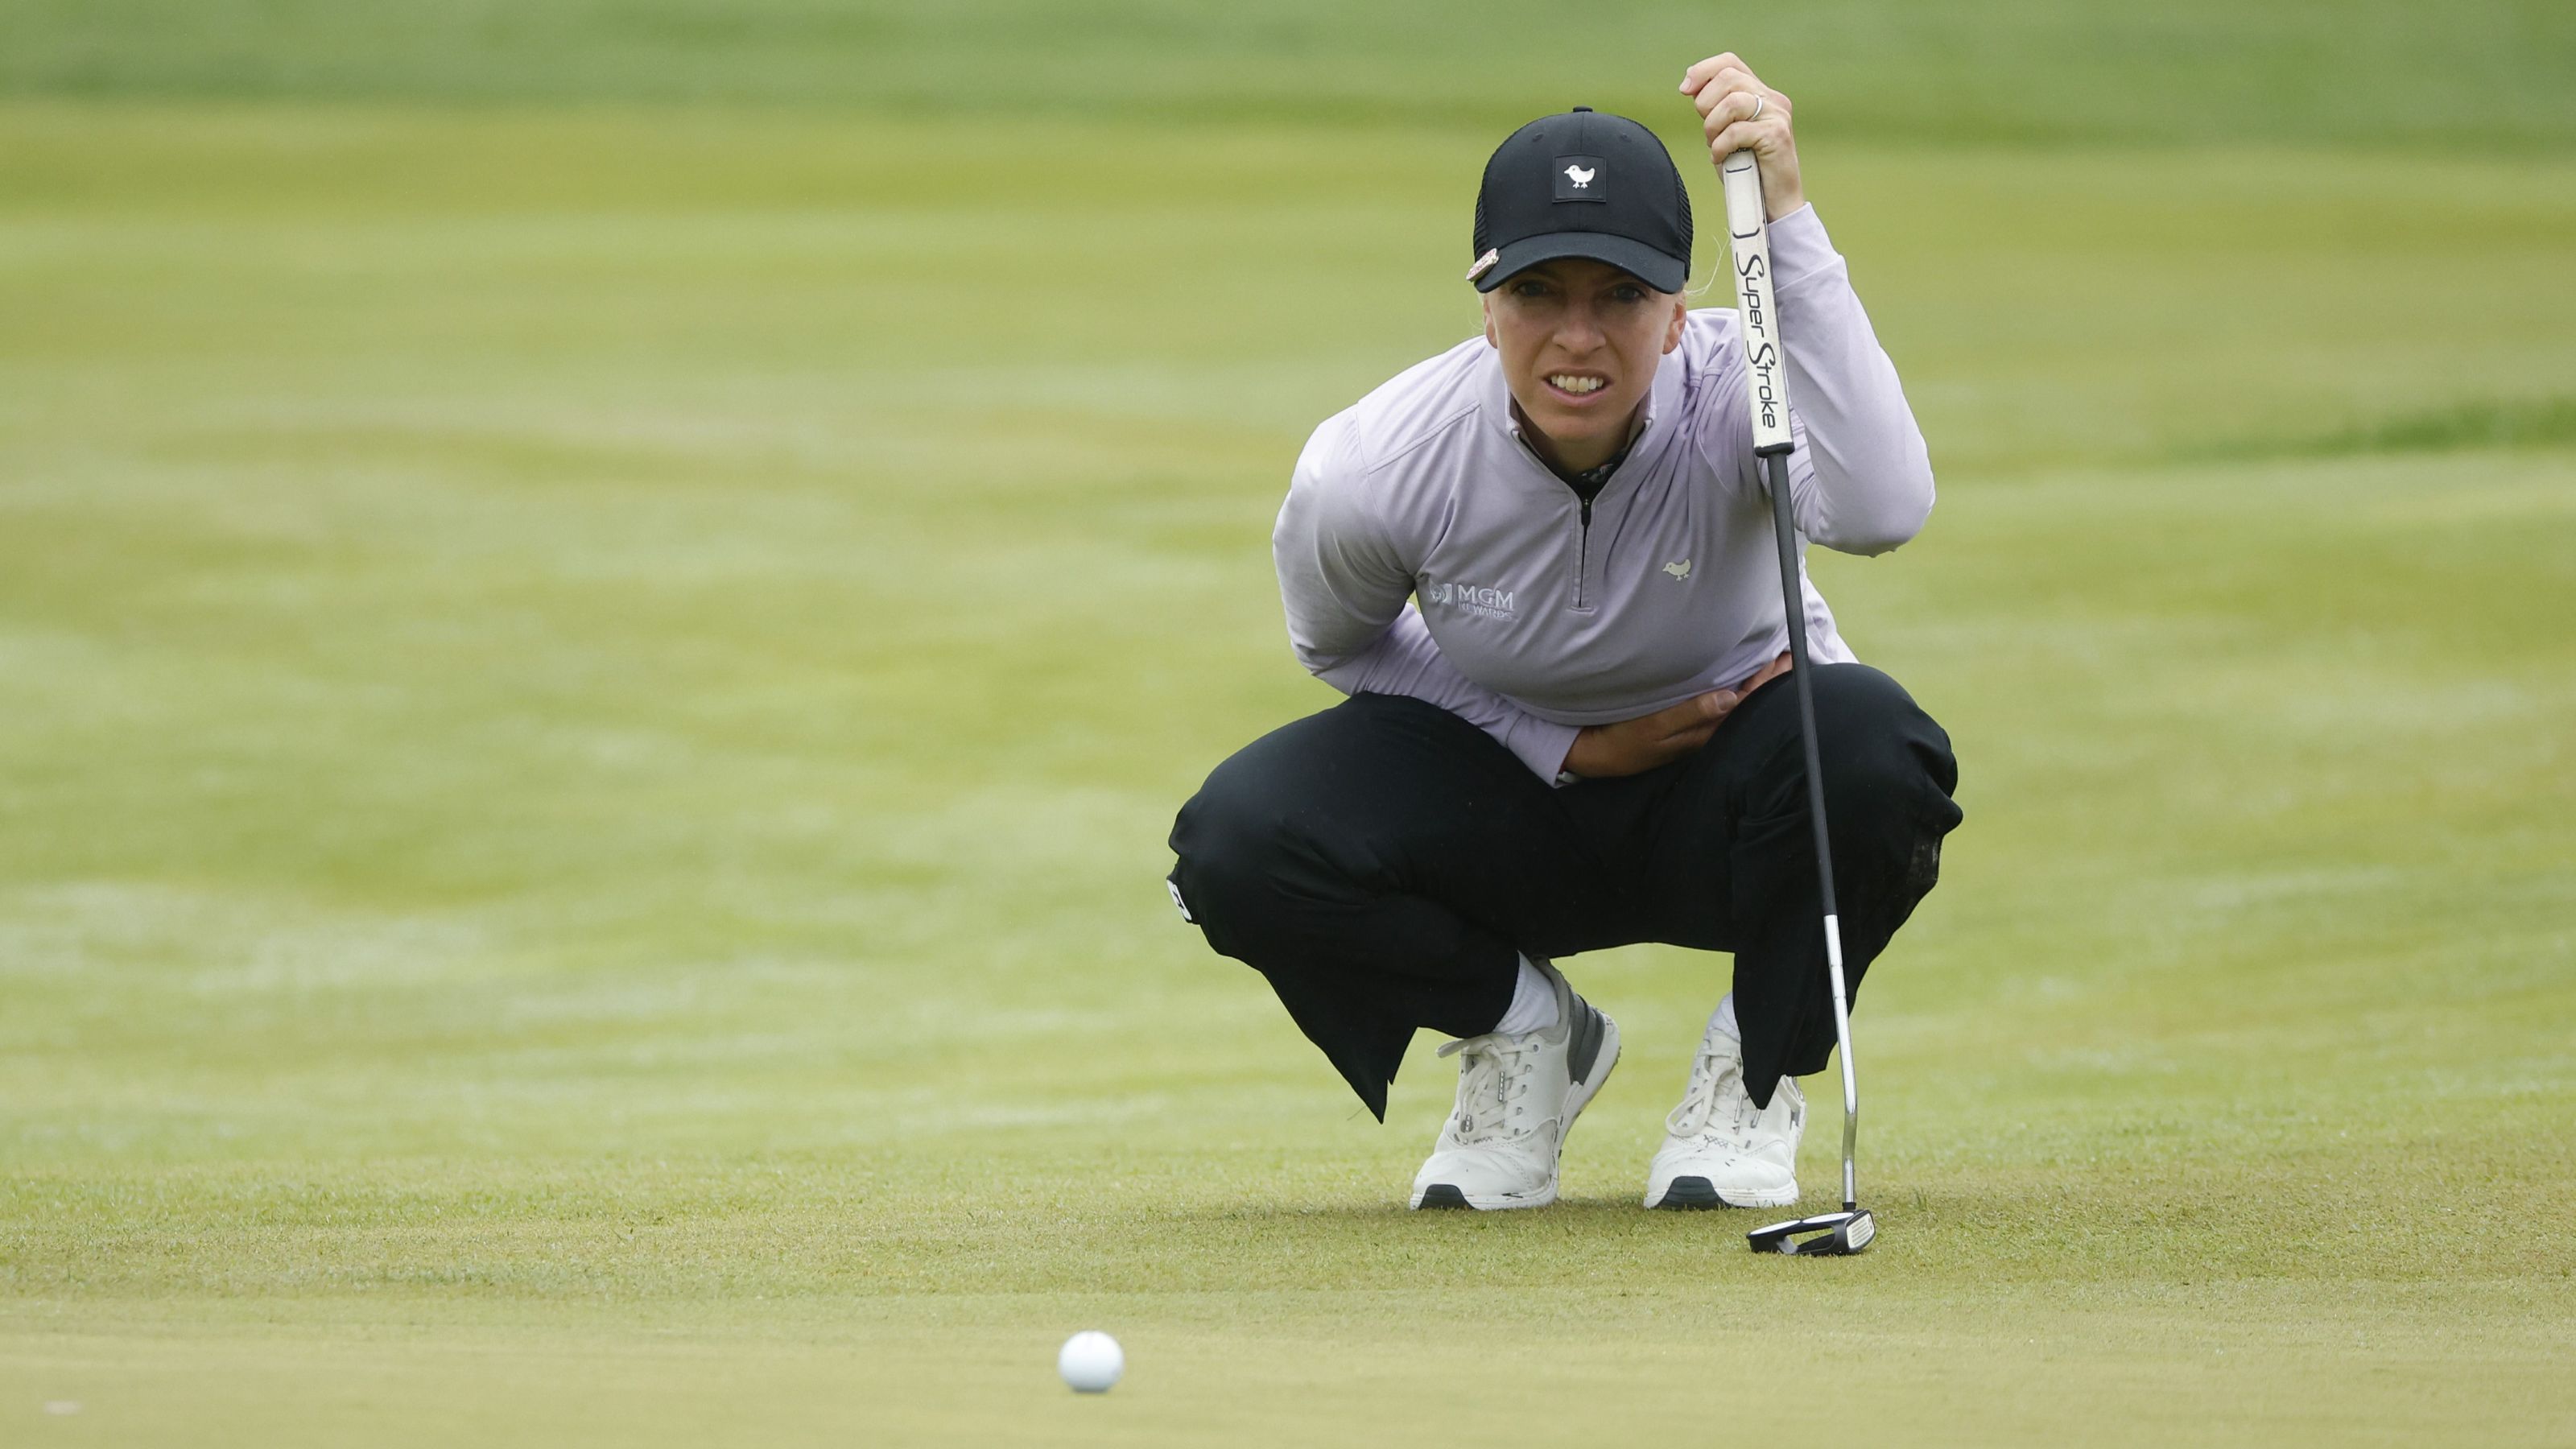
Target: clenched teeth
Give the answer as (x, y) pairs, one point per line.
(1571, 383)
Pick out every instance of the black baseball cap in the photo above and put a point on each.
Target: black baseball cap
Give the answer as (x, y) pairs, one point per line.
(1583, 184)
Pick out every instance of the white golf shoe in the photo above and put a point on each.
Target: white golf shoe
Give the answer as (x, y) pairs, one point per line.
(1719, 1149)
(1517, 1098)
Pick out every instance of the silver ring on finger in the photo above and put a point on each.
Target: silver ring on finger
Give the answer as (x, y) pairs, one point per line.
(1758, 100)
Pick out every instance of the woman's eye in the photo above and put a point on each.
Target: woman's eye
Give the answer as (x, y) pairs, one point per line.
(1628, 294)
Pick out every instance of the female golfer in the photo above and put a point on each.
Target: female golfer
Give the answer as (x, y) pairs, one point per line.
(1563, 742)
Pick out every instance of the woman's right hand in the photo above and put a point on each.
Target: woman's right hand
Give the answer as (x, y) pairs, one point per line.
(1632, 747)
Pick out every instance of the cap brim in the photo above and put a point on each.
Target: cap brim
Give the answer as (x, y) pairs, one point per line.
(1663, 273)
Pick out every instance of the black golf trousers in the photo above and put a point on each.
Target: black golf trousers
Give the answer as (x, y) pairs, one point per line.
(1384, 862)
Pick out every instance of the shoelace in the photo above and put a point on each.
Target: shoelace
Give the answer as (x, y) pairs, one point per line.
(1697, 1114)
(1492, 1077)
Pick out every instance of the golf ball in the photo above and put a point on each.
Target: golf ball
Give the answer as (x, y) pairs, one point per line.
(1091, 1362)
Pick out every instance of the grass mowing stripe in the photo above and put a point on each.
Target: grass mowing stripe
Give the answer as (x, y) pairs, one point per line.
(2017, 72)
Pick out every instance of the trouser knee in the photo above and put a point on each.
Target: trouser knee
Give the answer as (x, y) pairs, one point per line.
(1875, 738)
(1226, 842)
(1889, 771)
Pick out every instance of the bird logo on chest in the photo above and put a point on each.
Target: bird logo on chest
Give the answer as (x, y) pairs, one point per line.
(1679, 570)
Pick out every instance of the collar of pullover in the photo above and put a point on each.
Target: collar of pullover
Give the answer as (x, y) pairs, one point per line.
(1587, 483)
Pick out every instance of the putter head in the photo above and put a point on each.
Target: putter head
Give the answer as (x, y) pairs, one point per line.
(1826, 1235)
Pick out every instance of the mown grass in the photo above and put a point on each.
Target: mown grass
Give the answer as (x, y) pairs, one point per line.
(589, 697)
(2436, 82)
(2519, 423)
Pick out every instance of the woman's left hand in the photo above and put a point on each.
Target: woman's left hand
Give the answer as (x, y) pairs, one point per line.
(1737, 112)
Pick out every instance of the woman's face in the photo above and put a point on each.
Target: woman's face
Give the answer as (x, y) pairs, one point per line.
(1580, 340)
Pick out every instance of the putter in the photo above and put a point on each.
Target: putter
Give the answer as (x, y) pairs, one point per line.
(1767, 379)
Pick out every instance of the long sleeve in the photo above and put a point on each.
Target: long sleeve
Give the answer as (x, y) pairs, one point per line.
(1861, 477)
(1345, 590)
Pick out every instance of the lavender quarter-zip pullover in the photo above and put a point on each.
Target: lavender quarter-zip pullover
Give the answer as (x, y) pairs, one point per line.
(1425, 550)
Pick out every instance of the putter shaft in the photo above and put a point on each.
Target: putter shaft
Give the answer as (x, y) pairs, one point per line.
(1792, 599)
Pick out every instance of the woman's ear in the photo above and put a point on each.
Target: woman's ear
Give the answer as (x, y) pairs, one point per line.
(1681, 319)
(1492, 341)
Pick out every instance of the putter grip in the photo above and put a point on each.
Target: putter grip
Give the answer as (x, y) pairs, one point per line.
(1766, 375)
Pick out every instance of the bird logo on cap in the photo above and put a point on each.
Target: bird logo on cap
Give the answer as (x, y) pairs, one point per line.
(1579, 176)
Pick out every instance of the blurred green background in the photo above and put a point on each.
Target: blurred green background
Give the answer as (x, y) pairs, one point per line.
(603, 607)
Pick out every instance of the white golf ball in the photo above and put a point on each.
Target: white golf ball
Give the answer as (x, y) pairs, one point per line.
(1091, 1362)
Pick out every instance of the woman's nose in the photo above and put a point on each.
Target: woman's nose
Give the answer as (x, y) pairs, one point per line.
(1581, 331)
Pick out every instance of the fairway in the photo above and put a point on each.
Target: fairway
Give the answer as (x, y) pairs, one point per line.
(593, 673)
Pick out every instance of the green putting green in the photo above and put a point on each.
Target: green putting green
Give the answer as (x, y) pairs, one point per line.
(594, 660)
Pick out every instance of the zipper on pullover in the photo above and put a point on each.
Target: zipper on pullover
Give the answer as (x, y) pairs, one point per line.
(1597, 479)
(1582, 550)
